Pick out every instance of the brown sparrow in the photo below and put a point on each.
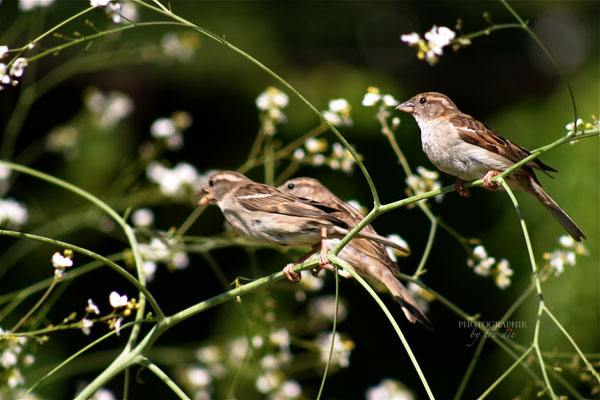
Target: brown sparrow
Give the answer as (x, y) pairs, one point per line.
(461, 146)
(267, 215)
(369, 259)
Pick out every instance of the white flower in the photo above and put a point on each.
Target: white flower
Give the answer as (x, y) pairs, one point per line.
(99, 3)
(268, 382)
(142, 217)
(439, 38)
(390, 101)
(12, 213)
(338, 105)
(118, 324)
(480, 252)
(318, 160)
(149, 269)
(333, 118)
(389, 389)
(60, 261)
(109, 108)
(3, 51)
(4, 77)
(28, 5)
(180, 260)
(9, 358)
(370, 99)
(198, 377)
(238, 349)
(289, 390)
(570, 126)
(178, 46)
(113, 10)
(315, 145)
(566, 241)
(163, 127)
(86, 326)
(410, 38)
(299, 154)
(174, 182)
(116, 300)
(18, 67)
(341, 349)
(103, 394)
(209, 354)
(324, 307)
(271, 98)
(92, 308)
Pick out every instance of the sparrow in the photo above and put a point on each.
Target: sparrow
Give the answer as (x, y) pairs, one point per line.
(269, 216)
(459, 145)
(369, 259)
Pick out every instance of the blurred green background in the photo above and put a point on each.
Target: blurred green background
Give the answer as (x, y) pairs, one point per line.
(325, 50)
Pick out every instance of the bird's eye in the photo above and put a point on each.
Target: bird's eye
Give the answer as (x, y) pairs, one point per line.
(291, 186)
(211, 183)
(423, 100)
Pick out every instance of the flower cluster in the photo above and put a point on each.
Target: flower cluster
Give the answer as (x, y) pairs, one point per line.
(13, 214)
(384, 102)
(338, 113)
(14, 355)
(485, 265)
(14, 69)
(312, 154)
(60, 262)
(342, 348)
(180, 46)
(109, 108)
(566, 255)
(431, 46)
(170, 129)
(389, 389)
(424, 182)
(176, 182)
(122, 308)
(576, 128)
(161, 251)
(271, 102)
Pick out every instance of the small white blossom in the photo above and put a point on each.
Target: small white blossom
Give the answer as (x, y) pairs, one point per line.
(103, 394)
(318, 160)
(370, 99)
(338, 105)
(198, 377)
(389, 100)
(113, 10)
(86, 326)
(116, 300)
(410, 38)
(175, 182)
(289, 390)
(237, 349)
(572, 127)
(28, 5)
(315, 145)
(9, 358)
(149, 270)
(18, 67)
(60, 261)
(99, 3)
(143, 217)
(299, 154)
(480, 252)
(268, 382)
(389, 389)
(118, 324)
(163, 127)
(92, 308)
(209, 354)
(3, 51)
(341, 349)
(179, 46)
(12, 213)
(324, 307)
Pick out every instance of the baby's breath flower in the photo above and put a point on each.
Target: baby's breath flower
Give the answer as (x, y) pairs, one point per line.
(299, 154)
(86, 326)
(318, 160)
(389, 100)
(116, 300)
(573, 127)
(28, 5)
(13, 214)
(117, 325)
(4, 173)
(113, 11)
(314, 145)
(176, 182)
(198, 377)
(180, 46)
(410, 38)
(103, 394)
(268, 381)
(341, 349)
(425, 181)
(324, 307)
(92, 308)
(109, 108)
(3, 51)
(389, 389)
(99, 3)
(4, 76)
(18, 67)
(163, 127)
(61, 263)
(338, 113)
(566, 255)
(143, 217)
(372, 97)
(431, 47)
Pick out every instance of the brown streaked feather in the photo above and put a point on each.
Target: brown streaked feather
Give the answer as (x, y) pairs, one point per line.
(272, 200)
(479, 134)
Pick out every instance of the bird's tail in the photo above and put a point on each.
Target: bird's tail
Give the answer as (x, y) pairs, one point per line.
(562, 217)
(409, 306)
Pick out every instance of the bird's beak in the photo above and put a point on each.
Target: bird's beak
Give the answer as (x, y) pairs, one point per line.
(407, 107)
(206, 200)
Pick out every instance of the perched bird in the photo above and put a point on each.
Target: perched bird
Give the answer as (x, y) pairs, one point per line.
(267, 215)
(461, 146)
(369, 259)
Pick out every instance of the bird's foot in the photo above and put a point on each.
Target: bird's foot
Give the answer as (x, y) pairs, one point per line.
(487, 180)
(463, 191)
(292, 275)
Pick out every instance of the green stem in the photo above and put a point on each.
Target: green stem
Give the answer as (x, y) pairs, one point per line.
(334, 330)
(164, 377)
(505, 374)
(36, 306)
